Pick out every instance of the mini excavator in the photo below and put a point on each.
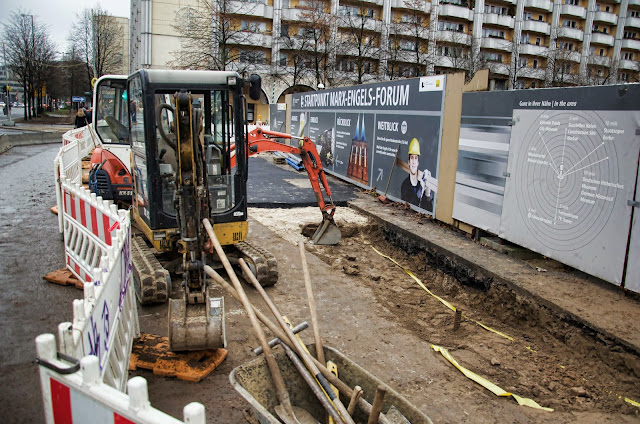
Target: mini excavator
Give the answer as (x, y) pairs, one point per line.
(189, 156)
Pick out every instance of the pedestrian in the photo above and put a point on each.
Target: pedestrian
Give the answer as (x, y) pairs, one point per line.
(81, 119)
(133, 109)
(414, 188)
(88, 115)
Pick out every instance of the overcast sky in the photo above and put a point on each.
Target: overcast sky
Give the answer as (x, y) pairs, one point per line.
(59, 15)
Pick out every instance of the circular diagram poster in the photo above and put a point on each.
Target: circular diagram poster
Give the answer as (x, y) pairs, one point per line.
(570, 174)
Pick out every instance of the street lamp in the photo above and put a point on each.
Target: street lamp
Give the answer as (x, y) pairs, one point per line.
(29, 58)
(6, 85)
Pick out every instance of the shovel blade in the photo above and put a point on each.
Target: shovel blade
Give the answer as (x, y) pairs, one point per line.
(295, 415)
(327, 233)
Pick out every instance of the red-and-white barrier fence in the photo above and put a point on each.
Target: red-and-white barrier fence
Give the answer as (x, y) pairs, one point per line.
(75, 394)
(97, 238)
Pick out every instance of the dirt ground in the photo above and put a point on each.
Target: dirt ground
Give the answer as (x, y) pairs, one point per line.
(549, 361)
(368, 308)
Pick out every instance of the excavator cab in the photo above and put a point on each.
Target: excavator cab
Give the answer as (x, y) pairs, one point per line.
(109, 177)
(165, 148)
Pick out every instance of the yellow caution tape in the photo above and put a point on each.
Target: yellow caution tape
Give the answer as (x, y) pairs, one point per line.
(632, 402)
(444, 302)
(486, 383)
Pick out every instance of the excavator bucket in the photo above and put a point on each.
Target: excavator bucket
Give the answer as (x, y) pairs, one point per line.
(327, 233)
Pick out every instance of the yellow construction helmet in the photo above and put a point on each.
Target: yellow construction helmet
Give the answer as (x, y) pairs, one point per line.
(414, 147)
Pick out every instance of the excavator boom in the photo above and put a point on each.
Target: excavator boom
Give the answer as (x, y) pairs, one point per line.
(263, 140)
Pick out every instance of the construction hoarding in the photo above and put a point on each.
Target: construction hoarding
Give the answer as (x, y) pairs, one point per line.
(485, 130)
(571, 173)
(365, 134)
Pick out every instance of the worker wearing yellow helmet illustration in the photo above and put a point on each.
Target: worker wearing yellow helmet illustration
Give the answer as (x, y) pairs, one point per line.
(419, 188)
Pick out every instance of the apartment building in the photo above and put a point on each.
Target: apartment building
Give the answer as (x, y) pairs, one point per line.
(524, 43)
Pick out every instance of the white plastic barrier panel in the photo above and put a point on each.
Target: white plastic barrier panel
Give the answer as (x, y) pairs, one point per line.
(74, 393)
(88, 224)
(76, 144)
(105, 322)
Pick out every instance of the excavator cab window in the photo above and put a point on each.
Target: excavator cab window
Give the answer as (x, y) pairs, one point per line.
(218, 149)
(112, 123)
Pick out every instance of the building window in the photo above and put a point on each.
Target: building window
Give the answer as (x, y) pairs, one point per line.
(283, 59)
(623, 77)
(254, 57)
(566, 46)
(630, 35)
(497, 10)
(569, 24)
(408, 45)
(410, 19)
(572, 2)
(525, 39)
(253, 26)
(627, 56)
(450, 26)
(538, 41)
(535, 64)
(522, 62)
(601, 52)
(633, 14)
(284, 31)
(493, 57)
(492, 33)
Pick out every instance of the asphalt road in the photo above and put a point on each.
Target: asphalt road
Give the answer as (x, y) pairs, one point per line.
(30, 247)
(16, 112)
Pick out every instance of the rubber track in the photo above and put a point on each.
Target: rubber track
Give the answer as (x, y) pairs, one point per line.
(263, 261)
(150, 278)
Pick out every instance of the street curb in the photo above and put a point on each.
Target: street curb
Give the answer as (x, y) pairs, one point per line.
(454, 263)
(7, 141)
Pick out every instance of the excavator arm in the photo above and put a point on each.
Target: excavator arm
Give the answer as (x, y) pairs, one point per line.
(262, 140)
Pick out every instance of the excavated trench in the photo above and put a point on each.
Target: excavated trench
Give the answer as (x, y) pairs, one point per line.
(551, 358)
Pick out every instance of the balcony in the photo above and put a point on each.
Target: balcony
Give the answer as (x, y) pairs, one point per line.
(599, 60)
(293, 15)
(498, 68)
(567, 55)
(609, 18)
(500, 20)
(632, 22)
(402, 4)
(453, 37)
(497, 44)
(634, 2)
(453, 11)
(533, 50)
(575, 11)
(600, 38)
(629, 65)
(546, 5)
(536, 26)
(571, 33)
(253, 9)
(631, 44)
(528, 72)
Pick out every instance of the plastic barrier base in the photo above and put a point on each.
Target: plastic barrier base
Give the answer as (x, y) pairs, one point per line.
(152, 352)
(64, 277)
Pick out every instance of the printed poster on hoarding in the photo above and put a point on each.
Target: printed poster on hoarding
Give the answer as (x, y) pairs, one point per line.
(384, 135)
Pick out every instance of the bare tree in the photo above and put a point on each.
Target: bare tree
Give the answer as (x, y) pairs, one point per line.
(318, 23)
(360, 39)
(411, 42)
(30, 52)
(297, 48)
(98, 39)
(211, 33)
